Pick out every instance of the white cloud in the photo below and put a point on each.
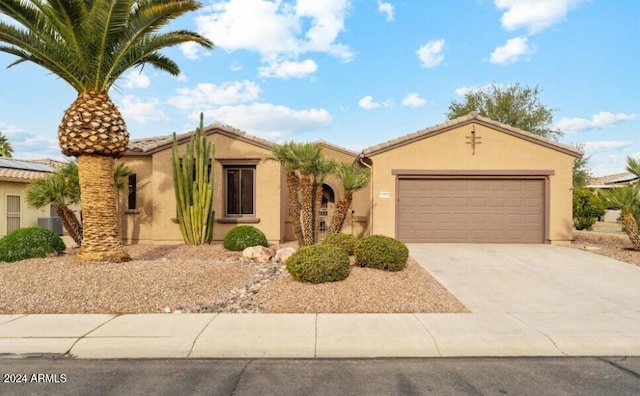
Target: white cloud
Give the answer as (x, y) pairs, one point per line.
(190, 50)
(277, 29)
(430, 54)
(386, 9)
(136, 79)
(142, 111)
(534, 15)
(511, 52)
(599, 120)
(268, 120)
(288, 69)
(8, 130)
(235, 66)
(181, 77)
(600, 145)
(413, 100)
(206, 95)
(368, 103)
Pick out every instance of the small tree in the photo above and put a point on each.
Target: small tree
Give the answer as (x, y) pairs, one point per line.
(587, 208)
(514, 105)
(193, 185)
(627, 199)
(352, 177)
(6, 150)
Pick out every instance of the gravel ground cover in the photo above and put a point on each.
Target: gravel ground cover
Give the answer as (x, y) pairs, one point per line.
(611, 244)
(179, 278)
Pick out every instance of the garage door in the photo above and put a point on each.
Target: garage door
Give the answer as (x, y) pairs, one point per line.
(471, 210)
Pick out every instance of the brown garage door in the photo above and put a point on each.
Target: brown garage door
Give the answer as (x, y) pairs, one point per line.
(471, 210)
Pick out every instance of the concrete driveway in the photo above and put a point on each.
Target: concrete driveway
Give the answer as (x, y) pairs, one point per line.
(582, 302)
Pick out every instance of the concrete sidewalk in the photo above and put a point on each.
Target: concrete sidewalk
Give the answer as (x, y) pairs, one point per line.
(528, 300)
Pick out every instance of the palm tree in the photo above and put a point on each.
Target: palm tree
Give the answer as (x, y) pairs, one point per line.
(5, 147)
(62, 189)
(90, 44)
(352, 177)
(310, 160)
(284, 153)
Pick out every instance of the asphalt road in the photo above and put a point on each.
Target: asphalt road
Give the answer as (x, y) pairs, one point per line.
(441, 376)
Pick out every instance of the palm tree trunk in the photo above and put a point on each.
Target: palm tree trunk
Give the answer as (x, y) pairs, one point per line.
(317, 205)
(340, 214)
(293, 185)
(306, 215)
(101, 240)
(69, 222)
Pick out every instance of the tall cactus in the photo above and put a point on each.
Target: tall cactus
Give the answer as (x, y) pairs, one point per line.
(193, 184)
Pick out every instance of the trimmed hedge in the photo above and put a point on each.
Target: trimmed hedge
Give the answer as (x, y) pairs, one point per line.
(381, 252)
(30, 242)
(318, 264)
(244, 236)
(345, 241)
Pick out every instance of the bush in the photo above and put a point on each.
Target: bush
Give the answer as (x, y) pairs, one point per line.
(345, 241)
(26, 243)
(587, 208)
(318, 264)
(244, 236)
(381, 252)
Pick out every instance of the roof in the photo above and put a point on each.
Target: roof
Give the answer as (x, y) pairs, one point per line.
(616, 179)
(472, 117)
(332, 146)
(23, 170)
(148, 146)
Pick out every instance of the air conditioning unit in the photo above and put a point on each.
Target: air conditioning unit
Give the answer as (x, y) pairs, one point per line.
(51, 223)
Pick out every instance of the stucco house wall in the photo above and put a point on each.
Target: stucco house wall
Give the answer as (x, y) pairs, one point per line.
(447, 148)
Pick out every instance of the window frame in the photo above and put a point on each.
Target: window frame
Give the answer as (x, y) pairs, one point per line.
(239, 164)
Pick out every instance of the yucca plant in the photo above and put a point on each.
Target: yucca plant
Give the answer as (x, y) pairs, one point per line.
(193, 186)
(89, 44)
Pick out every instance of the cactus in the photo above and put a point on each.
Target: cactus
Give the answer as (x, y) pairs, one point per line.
(193, 185)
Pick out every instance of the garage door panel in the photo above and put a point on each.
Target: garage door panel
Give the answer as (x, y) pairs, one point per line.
(471, 210)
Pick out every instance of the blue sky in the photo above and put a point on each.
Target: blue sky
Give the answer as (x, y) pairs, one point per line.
(360, 72)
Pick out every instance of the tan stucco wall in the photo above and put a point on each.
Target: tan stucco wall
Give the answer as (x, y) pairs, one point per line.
(449, 151)
(28, 216)
(156, 198)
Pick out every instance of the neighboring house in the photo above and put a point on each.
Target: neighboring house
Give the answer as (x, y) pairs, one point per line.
(623, 179)
(468, 180)
(15, 176)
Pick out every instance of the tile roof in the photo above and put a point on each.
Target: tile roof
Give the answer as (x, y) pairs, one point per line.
(622, 178)
(152, 145)
(467, 119)
(23, 170)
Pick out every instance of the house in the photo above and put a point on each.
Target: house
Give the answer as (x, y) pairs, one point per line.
(622, 179)
(15, 176)
(468, 180)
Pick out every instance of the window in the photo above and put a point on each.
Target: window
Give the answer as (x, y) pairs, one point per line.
(13, 212)
(240, 190)
(131, 201)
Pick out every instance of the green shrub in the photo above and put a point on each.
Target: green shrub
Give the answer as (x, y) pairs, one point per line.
(587, 207)
(381, 252)
(26, 243)
(345, 241)
(244, 236)
(318, 264)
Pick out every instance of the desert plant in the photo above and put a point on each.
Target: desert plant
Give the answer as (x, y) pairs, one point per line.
(587, 208)
(381, 252)
(89, 45)
(346, 241)
(630, 226)
(319, 264)
(353, 177)
(193, 186)
(30, 242)
(244, 236)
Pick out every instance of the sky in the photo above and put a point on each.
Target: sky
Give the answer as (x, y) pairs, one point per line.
(360, 72)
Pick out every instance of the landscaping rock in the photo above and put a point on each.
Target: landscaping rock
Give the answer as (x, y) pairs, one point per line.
(258, 254)
(283, 254)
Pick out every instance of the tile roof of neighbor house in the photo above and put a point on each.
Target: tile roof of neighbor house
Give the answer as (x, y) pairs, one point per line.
(152, 145)
(468, 119)
(619, 179)
(23, 170)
